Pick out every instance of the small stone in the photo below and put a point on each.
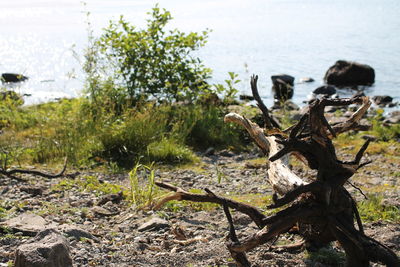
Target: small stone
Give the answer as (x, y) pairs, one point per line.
(226, 153)
(102, 211)
(114, 198)
(210, 151)
(32, 190)
(76, 232)
(306, 80)
(153, 224)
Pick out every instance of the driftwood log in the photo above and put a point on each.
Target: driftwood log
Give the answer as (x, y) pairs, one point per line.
(322, 210)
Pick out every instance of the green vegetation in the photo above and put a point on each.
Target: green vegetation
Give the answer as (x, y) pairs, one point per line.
(147, 97)
(385, 134)
(328, 256)
(142, 193)
(373, 209)
(88, 184)
(382, 132)
(150, 63)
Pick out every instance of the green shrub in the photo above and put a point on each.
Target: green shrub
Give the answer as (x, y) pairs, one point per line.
(126, 139)
(139, 64)
(169, 151)
(210, 130)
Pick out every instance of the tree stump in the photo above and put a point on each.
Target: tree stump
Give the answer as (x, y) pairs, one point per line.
(322, 210)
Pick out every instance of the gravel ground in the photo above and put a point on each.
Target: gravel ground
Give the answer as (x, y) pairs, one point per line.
(116, 234)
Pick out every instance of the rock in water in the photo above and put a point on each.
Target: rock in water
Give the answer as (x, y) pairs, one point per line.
(47, 249)
(382, 100)
(284, 78)
(326, 90)
(306, 80)
(346, 73)
(13, 77)
(282, 86)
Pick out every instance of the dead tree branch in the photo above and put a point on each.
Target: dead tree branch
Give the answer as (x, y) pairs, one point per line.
(12, 172)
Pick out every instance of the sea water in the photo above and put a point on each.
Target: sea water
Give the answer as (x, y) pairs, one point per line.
(44, 39)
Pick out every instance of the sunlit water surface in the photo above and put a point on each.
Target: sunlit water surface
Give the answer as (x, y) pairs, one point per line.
(45, 39)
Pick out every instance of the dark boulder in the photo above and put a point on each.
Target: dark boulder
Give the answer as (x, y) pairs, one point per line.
(282, 87)
(382, 100)
(283, 78)
(327, 90)
(346, 73)
(13, 78)
(282, 91)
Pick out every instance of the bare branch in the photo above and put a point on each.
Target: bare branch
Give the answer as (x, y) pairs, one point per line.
(268, 119)
(10, 173)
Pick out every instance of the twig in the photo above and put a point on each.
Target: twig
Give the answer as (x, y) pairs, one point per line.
(10, 173)
(359, 189)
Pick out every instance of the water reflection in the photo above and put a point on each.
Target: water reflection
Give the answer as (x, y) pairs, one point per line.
(300, 38)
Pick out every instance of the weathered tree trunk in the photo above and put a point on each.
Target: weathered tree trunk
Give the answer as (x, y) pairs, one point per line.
(323, 210)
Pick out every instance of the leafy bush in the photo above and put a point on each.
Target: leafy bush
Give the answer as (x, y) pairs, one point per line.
(139, 64)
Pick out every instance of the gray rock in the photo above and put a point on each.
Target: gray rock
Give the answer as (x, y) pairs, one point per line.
(32, 190)
(392, 120)
(210, 151)
(28, 223)
(47, 249)
(153, 224)
(102, 211)
(226, 153)
(289, 105)
(75, 231)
